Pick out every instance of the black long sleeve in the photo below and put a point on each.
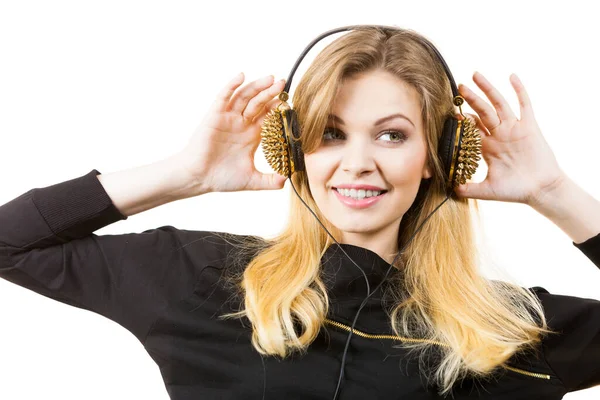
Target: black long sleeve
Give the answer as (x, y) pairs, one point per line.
(574, 355)
(165, 286)
(47, 245)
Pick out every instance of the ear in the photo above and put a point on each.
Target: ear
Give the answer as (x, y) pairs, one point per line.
(427, 171)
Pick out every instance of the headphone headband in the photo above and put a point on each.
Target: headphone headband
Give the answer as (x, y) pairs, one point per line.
(288, 84)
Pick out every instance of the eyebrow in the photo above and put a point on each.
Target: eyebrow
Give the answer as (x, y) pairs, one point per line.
(378, 122)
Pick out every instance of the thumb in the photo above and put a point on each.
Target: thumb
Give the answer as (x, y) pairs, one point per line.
(267, 181)
(471, 190)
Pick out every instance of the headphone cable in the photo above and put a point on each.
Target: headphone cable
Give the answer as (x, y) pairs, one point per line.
(369, 294)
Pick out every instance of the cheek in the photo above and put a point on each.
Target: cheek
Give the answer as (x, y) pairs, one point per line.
(405, 168)
(316, 166)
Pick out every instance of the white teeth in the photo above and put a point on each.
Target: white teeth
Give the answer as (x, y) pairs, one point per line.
(358, 194)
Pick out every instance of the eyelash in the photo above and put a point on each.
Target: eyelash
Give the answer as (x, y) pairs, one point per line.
(402, 135)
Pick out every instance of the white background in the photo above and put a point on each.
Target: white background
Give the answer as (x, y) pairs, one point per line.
(114, 85)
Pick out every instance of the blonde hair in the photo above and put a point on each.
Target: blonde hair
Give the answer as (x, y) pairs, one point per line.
(441, 281)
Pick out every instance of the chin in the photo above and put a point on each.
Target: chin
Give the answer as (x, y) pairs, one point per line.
(359, 225)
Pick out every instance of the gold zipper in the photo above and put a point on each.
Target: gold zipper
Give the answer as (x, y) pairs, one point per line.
(534, 374)
(395, 337)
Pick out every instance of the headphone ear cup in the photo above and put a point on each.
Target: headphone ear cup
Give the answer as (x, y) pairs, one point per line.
(292, 133)
(274, 142)
(459, 150)
(447, 149)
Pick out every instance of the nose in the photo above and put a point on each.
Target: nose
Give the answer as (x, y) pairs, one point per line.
(357, 157)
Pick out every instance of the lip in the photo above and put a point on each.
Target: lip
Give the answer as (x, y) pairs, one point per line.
(358, 204)
(358, 187)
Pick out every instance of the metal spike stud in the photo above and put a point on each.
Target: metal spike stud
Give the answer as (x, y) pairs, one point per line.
(468, 154)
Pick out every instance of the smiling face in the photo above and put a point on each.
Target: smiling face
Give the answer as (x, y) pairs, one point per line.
(362, 147)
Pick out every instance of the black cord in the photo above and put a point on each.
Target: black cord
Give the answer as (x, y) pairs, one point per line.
(369, 294)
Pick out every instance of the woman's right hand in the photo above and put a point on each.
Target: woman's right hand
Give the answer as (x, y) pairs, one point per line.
(220, 154)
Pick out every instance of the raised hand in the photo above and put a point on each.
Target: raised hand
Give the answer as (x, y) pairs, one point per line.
(220, 154)
(521, 165)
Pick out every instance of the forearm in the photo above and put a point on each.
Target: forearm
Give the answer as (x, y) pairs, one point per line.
(572, 209)
(142, 188)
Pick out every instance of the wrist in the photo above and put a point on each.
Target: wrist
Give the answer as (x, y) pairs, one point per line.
(570, 208)
(549, 197)
(191, 184)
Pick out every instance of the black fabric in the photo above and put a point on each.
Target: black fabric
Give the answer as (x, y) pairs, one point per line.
(167, 286)
(294, 140)
(446, 147)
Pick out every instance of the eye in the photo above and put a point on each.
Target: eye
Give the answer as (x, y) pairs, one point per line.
(330, 134)
(397, 137)
(327, 134)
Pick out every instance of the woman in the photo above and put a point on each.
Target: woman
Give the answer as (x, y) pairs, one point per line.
(235, 316)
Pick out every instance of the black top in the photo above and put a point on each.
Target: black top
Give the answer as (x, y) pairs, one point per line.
(167, 287)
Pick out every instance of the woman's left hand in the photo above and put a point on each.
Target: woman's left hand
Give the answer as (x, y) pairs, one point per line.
(521, 165)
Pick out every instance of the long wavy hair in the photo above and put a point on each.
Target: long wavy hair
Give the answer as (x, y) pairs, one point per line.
(441, 281)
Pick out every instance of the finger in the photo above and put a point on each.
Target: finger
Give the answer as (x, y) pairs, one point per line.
(262, 181)
(488, 115)
(498, 101)
(479, 124)
(224, 95)
(483, 134)
(240, 99)
(473, 190)
(265, 110)
(257, 103)
(526, 110)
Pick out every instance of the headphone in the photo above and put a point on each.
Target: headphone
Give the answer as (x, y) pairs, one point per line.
(459, 149)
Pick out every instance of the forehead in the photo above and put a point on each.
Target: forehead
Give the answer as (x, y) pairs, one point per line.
(369, 96)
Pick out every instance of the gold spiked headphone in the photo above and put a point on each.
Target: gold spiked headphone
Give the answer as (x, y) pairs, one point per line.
(459, 147)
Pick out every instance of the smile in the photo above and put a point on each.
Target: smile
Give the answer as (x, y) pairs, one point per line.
(360, 200)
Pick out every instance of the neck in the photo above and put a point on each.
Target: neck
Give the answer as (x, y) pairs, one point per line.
(381, 245)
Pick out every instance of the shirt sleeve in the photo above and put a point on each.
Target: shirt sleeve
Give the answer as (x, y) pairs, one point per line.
(591, 248)
(47, 245)
(574, 353)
